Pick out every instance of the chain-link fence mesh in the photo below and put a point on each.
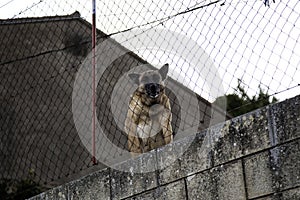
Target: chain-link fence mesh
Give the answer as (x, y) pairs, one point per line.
(212, 47)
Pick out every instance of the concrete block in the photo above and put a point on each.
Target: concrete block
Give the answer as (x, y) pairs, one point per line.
(286, 119)
(275, 196)
(224, 182)
(292, 194)
(258, 175)
(172, 191)
(226, 142)
(200, 186)
(273, 171)
(134, 176)
(255, 131)
(230, 181)
(288, 165)
(241, 136)
(183, 158)
(93, 186)
(58, 193)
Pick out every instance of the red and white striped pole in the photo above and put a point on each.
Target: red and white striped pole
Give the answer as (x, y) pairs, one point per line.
(94, 62)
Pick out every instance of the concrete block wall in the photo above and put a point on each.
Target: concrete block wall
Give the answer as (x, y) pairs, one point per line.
(254, 156)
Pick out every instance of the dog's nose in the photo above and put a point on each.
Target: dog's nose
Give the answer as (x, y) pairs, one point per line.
(153, 89)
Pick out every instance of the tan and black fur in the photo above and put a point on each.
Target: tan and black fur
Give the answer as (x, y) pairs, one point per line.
(148, 122)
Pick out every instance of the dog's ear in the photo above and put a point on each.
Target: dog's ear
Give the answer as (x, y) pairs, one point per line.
(163, 71)
(135, 78)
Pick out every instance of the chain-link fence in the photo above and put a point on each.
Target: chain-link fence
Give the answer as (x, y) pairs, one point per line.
(48, 132)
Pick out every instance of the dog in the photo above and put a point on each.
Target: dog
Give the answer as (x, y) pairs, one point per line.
(149, 117)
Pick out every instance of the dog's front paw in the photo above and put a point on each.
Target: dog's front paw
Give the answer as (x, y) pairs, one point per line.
(156, 110)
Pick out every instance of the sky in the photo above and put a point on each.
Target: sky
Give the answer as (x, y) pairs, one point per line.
(244, 39)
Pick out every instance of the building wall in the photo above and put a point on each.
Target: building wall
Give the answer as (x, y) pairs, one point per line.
(254, 156)
(36, 84)
(39, 62)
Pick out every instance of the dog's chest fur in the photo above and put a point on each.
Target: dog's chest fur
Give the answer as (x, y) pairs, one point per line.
(149, 124)
(149, 117)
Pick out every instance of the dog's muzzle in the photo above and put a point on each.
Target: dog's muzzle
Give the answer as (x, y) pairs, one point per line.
(152, 90)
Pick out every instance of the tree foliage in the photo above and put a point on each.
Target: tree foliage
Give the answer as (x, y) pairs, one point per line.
(240, 102)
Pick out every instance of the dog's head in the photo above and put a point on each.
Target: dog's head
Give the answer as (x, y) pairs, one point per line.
(151, 82)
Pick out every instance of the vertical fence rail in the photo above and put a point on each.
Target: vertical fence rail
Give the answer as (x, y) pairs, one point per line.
(94, 63)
